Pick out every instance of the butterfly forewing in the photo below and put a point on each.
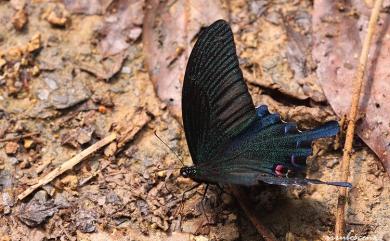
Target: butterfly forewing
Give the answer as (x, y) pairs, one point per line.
(216, 104)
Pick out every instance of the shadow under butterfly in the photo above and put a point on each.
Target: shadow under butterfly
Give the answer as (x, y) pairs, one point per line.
(231, 141)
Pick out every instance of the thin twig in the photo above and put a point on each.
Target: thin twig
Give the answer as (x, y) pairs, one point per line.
(358, 83)
(68, 165)
(245, 205)
(13, 138)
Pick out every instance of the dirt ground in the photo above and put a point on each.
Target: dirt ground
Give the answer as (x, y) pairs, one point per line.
(58, 84)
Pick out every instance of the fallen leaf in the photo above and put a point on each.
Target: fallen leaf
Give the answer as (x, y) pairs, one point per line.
(338, 34)
(36, 212)
(121, 18)
(169, 30)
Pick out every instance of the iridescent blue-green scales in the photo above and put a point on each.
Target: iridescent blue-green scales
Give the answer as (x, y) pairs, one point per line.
(231, 141)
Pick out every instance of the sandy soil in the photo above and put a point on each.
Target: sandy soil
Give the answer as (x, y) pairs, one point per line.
(55, 82)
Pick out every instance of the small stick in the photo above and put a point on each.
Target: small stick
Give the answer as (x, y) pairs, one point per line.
(245, 205)
(68, 165)
(358, 83)
(13, 138)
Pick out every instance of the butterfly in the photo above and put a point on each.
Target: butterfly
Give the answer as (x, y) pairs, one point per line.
(231, 141)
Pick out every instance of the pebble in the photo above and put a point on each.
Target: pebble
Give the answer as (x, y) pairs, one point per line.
(13, 161)
(332, 163)
(11, 147)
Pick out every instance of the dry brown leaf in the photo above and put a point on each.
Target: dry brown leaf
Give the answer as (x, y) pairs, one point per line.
(338, 37)
(169, 29)
(124, 17)
(36, 211)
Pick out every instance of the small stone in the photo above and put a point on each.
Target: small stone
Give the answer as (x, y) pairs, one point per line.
(14, 54)
(101, 201)
(71, 181)
(35, 43)
(11, 147)
(35, 71)
(135, 33)
(110, 149)
(19, 20)
(125, 70)
(51, 83)
(232, 218)
(28, 143)
(43, 94)
(84, 135)
(58, 16)
(102, 109)
(332, 163)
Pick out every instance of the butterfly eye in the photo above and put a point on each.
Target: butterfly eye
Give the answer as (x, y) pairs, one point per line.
(183, 172)
(280, 170)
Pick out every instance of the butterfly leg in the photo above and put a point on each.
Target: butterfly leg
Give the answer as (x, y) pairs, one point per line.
(203, 227)
(202, 203)
(223, 190)
(181, 206)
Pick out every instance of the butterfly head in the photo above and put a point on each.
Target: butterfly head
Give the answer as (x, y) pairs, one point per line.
(188, 171)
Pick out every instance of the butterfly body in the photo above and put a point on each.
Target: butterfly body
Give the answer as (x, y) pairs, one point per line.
(231, 141)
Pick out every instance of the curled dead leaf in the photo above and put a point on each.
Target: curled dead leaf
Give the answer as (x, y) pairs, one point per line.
(337, 57)
(169, 30)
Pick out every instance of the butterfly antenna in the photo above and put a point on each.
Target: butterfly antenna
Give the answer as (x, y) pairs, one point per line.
(177, 156)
